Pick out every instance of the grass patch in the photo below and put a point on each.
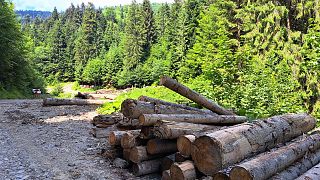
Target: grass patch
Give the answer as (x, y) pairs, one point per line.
(158, 92)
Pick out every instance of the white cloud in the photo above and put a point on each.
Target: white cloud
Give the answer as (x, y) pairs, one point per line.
(48, 5)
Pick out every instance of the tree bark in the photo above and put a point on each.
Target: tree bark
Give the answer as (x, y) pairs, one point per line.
(166, 175)
(182, 106)
(183, 171)
(268, 164)
(146, 167)
(167, 162)
(152, 119)
(131, 139)
(300, 167)
(139, 153)
(194, 96)
(133, 109)
(115, 137)
(161, 146)
(219, 149)
(172, 130)
(80, 102)
(312, 174)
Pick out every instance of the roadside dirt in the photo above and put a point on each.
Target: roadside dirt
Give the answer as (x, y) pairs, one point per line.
(51, 143)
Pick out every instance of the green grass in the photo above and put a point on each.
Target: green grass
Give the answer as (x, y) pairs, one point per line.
(158, 92)
(14, 94)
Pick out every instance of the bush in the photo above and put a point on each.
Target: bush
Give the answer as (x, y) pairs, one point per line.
(57, 90)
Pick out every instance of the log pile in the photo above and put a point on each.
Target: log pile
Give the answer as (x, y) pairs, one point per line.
(182, 142)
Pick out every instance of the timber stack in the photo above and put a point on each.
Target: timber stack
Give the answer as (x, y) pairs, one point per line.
(152, 136)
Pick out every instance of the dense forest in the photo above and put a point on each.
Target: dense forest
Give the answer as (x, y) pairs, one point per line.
(258, 57)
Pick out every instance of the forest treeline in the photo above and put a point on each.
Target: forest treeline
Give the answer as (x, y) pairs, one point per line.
(258, 57)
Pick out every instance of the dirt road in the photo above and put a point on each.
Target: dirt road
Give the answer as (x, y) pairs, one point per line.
(50, 143)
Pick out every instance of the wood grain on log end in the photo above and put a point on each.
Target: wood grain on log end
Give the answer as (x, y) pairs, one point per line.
(184, 144)
(183, 171)
(240, 173)
(221, 176)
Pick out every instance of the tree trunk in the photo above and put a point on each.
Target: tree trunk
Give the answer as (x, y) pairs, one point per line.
(166, 175)
(184, 144)
(115, 137)
(182, 106)
(172, 130)
(152, 119)
(312, 174)
(139, 153)
(268, 164)
(219, 149)
(146, 167)
(183, 171)
(133, 109)
(167, 162)
(131, 139)
(126, 154)
(300, 167)
(80, 102)
(194, 96)
(100, 132)
(161, 146)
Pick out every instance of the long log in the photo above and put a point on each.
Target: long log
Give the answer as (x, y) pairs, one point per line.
(146, 167)
(183, 171)
(161, 146)
(114, 137)
(152, 119)
(131, 139)
(217, 150)
(194, 96)
(166, 175)
(80, 102)
(167, 162)
(299, 167)
(182, 106)
(132, 108)
(172, 130)
(312, 174)
(264, 166)
(139, 153)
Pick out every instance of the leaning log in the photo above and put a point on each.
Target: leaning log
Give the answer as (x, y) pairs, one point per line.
(161, 146)
(312, 174)
(172, 130)
(80, 102)
(139, 153)
(131, 139)
(146, 167)
(152, 119)
(132, 108)
(114, 137)
(217, 150)
(299, 167)
(182, 106)
(194, 96)
(183, 171)
(268, 164)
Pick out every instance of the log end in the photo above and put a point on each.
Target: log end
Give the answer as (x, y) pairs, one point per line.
(240, 173)
(221, 176)
(166, 175)
(112, 139)
(182, 171)
(127, 106)
(163, 79)
(138, 153)
(128, 141)
(142, 120)
(136, 170)
(207, 155)
(184, 144)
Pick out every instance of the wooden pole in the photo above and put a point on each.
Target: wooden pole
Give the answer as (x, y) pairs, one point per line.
(152, 119)
(194, 96)
(161, 146)
(217, 150)
(183, 171)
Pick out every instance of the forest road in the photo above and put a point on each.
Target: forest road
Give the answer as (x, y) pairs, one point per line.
(50, 143)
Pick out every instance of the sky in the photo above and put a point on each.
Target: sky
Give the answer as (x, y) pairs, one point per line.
(48, 5)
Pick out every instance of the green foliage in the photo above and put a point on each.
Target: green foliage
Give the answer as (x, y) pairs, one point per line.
(94, 71)
(57, 90)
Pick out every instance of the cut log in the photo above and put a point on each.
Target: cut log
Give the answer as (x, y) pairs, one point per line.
(146, 167)
(105, 119)
(172, 130)
(178, 157)
(80, 102)
(312, 174)
(126, 154)
(166, 175)
(126, 122)
(182, 106)
(193, 96)
(161, 146)
(268, 164)
(131, 139)
(300, 167)
(222, 175)
(147, 132)
(217, 150)
(133, 109)
(139, 153)
(115, 137)
(183, 171)
(184, 144)
(100, 132)
(167, 162)
(152, 119)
